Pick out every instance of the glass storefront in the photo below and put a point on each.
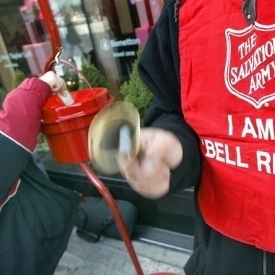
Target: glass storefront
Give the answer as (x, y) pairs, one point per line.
(105, 33)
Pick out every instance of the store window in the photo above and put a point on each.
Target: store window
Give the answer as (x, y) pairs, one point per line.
(105, 33)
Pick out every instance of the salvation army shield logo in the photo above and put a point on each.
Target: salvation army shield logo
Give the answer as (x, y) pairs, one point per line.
(250, 63)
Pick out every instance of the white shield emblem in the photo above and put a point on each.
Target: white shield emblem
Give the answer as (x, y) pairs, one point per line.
(250, 63)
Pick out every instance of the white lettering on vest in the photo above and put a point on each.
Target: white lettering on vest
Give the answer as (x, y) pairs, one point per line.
(230, 125)
(247, 46)
(223, 153)
(265, 162)
(262, 77)
(260, 55)
(261, 130)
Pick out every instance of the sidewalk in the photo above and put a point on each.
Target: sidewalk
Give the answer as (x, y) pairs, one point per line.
(110, 257)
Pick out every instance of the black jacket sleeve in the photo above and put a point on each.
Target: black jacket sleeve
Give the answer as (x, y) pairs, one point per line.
(19, 126)
(13, 160)
(159, 69)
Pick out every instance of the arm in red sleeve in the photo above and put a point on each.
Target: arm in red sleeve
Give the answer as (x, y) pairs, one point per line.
(19, 126)
(22, 112)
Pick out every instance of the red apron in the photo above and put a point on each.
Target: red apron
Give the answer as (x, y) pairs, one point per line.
(228, 97)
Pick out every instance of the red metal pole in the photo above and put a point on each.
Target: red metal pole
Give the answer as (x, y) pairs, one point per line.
(52, 30)
(115, 211)
(95, 181)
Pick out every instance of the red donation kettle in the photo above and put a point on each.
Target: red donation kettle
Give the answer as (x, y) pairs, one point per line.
(66, 127)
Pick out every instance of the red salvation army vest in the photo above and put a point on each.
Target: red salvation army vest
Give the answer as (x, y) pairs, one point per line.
(227, 69)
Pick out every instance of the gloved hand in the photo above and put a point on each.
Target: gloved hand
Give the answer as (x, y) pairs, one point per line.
(21, 116)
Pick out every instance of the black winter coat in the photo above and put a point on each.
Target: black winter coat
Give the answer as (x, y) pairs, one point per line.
(36, 223)
(36, 216)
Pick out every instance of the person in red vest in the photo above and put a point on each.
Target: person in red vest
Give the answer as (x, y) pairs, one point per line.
(210, 65)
